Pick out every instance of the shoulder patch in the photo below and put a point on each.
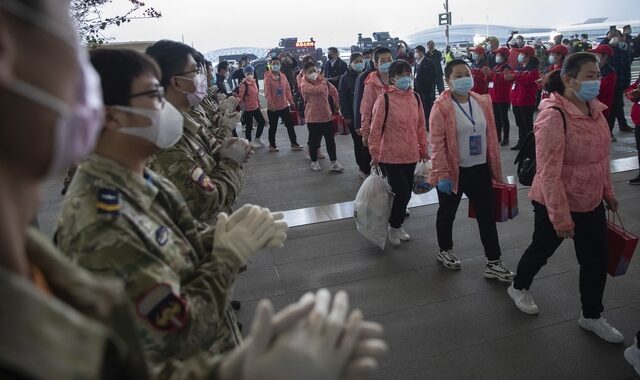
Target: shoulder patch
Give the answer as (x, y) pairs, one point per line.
(202, 179)
(108, 202)
(162, 235)
(162, 308)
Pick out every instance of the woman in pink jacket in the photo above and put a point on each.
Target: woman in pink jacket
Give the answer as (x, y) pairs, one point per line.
(318, 113)
(572, 179)
(398, 143)
(375, 85)
(466, 158)
(279, 98)
(248, 95)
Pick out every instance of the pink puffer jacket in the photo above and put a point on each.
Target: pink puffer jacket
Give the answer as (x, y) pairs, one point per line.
(373, 88)
(316, 99)
(250, 98)
(277, 91)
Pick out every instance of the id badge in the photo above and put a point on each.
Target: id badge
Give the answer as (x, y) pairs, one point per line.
(490, 84)
(279, 92)
(475, 145)
(513, 87)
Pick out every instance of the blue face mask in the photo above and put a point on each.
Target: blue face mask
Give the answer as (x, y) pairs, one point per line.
(404, 83)
(521, 58)
(367, 61)
(384, 67)
(359, 67)
(462, 86)
(275, 68)
(589, 90)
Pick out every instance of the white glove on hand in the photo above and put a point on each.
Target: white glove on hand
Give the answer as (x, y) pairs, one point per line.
(237, 150)
(230, 120)
(245, 237)
(229, 105)
(280, 225)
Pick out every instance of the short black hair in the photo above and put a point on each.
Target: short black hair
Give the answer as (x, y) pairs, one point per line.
(367, 52)
(380, 50)
(355, 56)
(308, 65)
(118, 68)
(571, 67)
(208, 63)
(223, 65)
(308, 58)
(421, 48)
(276, 58)
(333, 49)
(398, 67)
(448, 69)
(171, 56)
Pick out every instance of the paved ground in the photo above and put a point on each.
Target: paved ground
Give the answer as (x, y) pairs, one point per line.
(439, 324)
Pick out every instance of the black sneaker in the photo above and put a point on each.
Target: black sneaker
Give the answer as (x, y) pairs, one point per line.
(449, 259)
(497, 270)
(635, 181)
(236, 305)
(505, 142)
(517, 147)
(626, 128)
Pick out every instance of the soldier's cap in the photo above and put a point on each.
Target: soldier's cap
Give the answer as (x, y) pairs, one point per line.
(527, 50)
(602, 49)
(478, 49)
(559, 49)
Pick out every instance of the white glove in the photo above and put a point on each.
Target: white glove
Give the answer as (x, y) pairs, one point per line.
(280, 225)
(245, 237)
(229, 105)
(237, 150)
(230, 120)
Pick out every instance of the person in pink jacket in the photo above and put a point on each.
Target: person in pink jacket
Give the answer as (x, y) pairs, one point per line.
(572, 180)
(375, 85)
(398, 140)
(466, 158)
(301, 109)
(279, 99)
(318, 113)
(248, 95)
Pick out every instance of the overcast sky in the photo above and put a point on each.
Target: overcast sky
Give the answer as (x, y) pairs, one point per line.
(251, 23)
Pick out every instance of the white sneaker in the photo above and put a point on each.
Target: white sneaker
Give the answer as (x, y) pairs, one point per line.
(258, 142)
(403, 235)
(632, 354)
(449, 259)
(394, 236)
(523, 300)
(496, 269)
(315, 166)
(336, 167)
(601, 328)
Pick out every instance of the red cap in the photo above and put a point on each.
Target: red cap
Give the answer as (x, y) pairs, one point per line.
(503, 51)
(602, 49)
(559, 49)
(527, 50)
(478, 49)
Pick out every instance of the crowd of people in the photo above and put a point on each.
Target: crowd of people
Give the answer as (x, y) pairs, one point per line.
(137, 280)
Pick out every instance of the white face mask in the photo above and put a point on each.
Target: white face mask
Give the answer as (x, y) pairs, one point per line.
(165, 129)
(499, 59)
(312, 76)
(613, 41)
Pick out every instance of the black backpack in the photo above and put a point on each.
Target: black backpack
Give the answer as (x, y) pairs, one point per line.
(526, 159)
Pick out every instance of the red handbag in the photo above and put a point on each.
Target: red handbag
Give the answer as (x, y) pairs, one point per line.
(621, 244)
(337, 124)
(505, 197)
(295, 118)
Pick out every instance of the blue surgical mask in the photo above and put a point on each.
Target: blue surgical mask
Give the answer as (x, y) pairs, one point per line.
(275, 68)
(359, 67)
(404, 83)
(521, 58)
(367, 61)
(384, 67)
(499, 59)
(589, 90)
(552, 59)
(462, 86)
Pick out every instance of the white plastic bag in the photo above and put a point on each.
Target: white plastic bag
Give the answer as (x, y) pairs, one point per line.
(420, 176)
(373, 208)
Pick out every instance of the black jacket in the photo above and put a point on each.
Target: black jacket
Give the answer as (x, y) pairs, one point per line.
(346, 91)
(426, 76)
(333, 72)
(436, 58)
(357, 98)
(221, 82)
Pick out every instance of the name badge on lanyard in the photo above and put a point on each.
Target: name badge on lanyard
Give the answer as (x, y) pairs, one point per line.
(513, 87)
(475, 140)
(279, 91)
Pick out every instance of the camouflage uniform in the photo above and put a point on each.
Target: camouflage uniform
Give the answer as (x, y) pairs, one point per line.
(209, 185)
(114, 222)
(77, 327)
(210, 107)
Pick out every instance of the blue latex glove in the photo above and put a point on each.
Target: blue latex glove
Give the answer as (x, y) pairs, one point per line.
(445, 186)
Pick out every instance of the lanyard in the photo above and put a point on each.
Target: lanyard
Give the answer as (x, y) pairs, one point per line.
(468, 115)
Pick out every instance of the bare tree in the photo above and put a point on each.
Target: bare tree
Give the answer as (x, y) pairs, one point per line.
(91, 25)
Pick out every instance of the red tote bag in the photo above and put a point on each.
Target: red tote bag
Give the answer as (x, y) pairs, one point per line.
(621, 245)
(505, 197)
(295, 118)
(337, 123)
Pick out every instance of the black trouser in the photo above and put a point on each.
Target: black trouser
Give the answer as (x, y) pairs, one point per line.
(427, 105)
(475, 182)
(501, 112)
(363, 158)
(617, 110)
(400, 177)
(285, 115)
(524, 120)
(590, 234)
(248, 117)
(439, 84)
(316, 132)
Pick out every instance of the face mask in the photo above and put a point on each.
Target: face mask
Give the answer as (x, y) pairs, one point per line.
(598, 58)
(474, 56)
(384, 67)
(275, 68)
(499, 59)
(312, 76)
(521, 58)
(359, 67)
(165, 129)
(226, 75)
(520, 42)
(462, 86)
(404, 83)
(196, 97)
(613, 41)
(552, 59)
(367, 61)
(589, 89)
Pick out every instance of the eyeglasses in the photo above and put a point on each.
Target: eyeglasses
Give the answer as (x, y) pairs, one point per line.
(157, 93)
(199, 70)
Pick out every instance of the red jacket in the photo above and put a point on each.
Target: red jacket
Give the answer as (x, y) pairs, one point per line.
(524, 88)
(277, 91)
(249, 99)
(635, 98)
(480, 83)
(316, 99)
(500, 88)
(608, 78)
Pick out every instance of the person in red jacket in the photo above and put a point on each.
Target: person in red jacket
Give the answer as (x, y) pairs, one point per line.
(279, 97)
(248, 95)
(557, 54)
(480, 70)
(633, 93)
(608, 78)
(523, 91)
(499, 90)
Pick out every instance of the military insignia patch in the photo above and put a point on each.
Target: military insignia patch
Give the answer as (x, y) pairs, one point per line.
(162, 235)
(108, 202)
(200, 152)
(202, 179)
(163, 309)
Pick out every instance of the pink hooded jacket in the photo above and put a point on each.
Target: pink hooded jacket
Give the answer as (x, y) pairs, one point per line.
(572, 168)
(250, 99)
(373, 88)
(273, 86)
(404, 140)
(316, 99)
(445, 155)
